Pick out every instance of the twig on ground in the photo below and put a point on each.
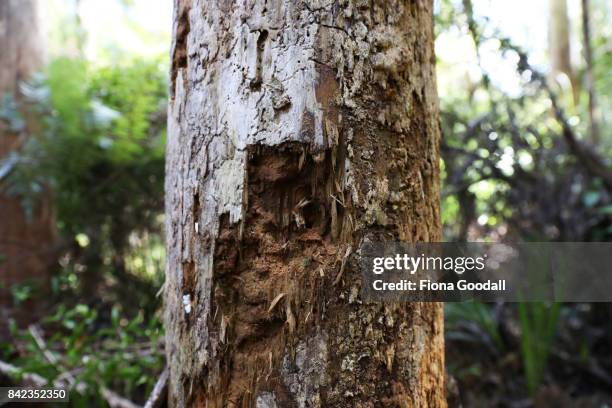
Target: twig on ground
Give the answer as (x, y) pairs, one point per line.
(159, 391)
(113, 399)
(42, 345)
(28, 378)
(40, 342)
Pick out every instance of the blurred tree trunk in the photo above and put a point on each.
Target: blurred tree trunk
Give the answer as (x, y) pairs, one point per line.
(589, 75)
(24, 240)
(559, 44)
(297, 130)
(22, 43)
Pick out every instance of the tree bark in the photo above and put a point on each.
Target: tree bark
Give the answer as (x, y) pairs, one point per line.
(297, 131)
(24, 240)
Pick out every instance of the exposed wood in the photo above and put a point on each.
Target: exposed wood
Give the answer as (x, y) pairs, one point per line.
(298, 130)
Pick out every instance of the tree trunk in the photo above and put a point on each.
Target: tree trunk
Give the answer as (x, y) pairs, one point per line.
(21, 41)
(24, 239)
(559, 44)
(589, 77)
(297, 130)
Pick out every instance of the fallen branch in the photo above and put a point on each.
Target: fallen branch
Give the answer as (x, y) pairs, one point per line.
(158, 395)
(28, 378)
(51, 358)
(115, 400)
(35, 380)
(42, 345)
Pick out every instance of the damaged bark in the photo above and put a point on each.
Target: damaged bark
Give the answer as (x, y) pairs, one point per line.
(298, 130)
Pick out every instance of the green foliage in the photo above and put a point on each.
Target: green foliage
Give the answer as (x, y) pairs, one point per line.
(22, 292)
(478, 313)
(538, 328)
(509, 172)
(98, 149)
(99, 138)
(110, 350)
(139, 93)
(508, 168)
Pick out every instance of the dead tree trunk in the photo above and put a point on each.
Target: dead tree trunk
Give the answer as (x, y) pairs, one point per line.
(24, 241)
(297, 130)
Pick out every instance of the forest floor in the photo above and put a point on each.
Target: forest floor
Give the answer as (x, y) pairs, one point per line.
(486, 362)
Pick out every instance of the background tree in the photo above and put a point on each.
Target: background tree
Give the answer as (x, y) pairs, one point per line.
(297, 130)
(589, 80)
(559, 44)
(98, 143)
(26, 233)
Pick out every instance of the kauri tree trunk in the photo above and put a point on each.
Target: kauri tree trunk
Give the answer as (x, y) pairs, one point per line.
(298, 130)
(25, 240)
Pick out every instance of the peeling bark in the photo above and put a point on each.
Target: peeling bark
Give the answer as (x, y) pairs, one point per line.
(297, 130)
